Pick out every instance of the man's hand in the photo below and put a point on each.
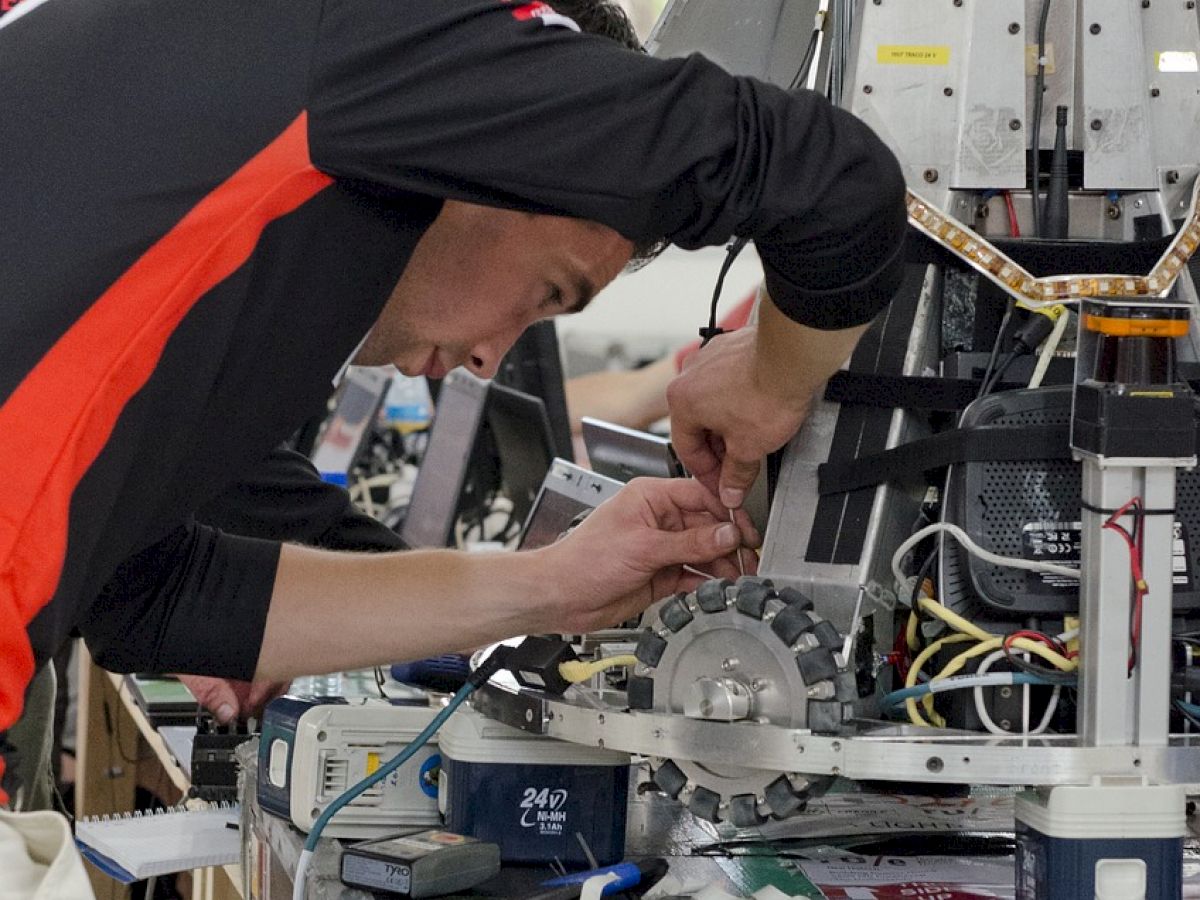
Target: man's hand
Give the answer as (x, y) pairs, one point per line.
(746, 393)
(723, 422)
(229, 700)
(632, 550)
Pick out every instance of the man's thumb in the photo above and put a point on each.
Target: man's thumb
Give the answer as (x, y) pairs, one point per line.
(737, 477)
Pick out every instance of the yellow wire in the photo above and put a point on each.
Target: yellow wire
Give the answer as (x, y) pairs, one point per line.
(928, 653)
(967, 631)
(910, 633)
(953, 619)
(576, 670)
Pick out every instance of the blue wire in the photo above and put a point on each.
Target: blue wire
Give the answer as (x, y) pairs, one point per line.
(895, 698)
(1190, 708)
(387, 768)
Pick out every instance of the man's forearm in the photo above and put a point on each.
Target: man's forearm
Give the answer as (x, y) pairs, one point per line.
(792, 361)
(332, 611)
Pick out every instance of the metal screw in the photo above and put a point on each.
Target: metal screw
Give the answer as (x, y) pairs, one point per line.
(600, 743)
(1191, 4)
(949, 92)
(958, 2)
(1014, 28)
(1113, 211)
(1005, 724)
(1096, 124)
(982, 211)
(600, 719)
(1154, 92)
(729, 664)
(1145, 4)
(867, 89)
(1014, 124)
(658, 733)
(930, 175)
(1137, 203)
(529, 715)
(878, 2)
(758, 684)
(1005, 692)
(1172, 177)
(1095, 28)
(934, 764)
(837, 746)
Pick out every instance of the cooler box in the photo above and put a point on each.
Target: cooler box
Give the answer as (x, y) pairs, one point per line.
(531, 794)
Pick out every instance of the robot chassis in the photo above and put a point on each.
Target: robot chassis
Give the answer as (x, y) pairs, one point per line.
(744, 697)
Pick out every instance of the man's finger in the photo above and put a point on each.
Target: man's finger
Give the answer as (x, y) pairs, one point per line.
(693, 546)
(737, 477)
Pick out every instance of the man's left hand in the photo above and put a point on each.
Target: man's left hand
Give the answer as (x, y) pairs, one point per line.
(231, 700)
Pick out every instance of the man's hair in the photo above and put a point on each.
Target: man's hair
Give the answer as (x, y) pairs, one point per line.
(606, 19)
(602, 17)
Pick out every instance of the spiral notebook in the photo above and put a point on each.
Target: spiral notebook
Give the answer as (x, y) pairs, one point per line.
(137, 845)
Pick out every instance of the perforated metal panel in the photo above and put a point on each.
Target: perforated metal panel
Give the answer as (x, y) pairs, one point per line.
(1002, 504)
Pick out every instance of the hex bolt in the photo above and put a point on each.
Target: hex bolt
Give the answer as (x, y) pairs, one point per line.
(1014, 27)
(867, 89)
(1014, 124)
(1094, 28)
(949, 92)
(1096, 124)
(930, 175)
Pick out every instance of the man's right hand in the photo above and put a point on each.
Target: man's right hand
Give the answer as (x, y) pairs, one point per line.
(632, 549)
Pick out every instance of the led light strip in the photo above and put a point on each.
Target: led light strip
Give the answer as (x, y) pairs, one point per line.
(1035, 293)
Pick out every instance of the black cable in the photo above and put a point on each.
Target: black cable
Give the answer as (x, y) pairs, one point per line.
(922, 572)
(1001, 371)
(807, 60)
(1053, 676)
(1039, 88)
(991, 364)
(736, 246)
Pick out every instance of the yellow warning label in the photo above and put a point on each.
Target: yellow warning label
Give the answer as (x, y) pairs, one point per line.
(912, 55)
(372, 762)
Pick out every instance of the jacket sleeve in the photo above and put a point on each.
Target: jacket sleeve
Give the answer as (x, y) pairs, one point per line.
(492, 102)
(197, 600)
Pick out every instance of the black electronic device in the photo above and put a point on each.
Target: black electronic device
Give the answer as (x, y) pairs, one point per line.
(520, 432)
(567, 492)
(421, 864)
(163, 699)
(442, 478)
(214, 767)
(1031, 510)
(485, 437)
(625, 453)
(533, 366)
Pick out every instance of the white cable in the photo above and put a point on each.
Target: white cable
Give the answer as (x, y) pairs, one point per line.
(301, 875)
(961, 536)
(981, 707)
(1049, 346)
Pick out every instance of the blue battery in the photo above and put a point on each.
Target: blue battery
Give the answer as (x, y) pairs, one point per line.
(1118, 837)
(532, 795)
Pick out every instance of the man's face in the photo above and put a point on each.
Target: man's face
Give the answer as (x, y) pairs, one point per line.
(479, 277)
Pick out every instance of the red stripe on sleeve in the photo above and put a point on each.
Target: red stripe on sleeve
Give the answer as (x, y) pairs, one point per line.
(59, 418)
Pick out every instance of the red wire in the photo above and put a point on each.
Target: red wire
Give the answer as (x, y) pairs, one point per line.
(1034, 636)
(1012, 215)
(1136, 557)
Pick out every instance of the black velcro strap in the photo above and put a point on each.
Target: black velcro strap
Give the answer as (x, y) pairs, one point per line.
(902, 391)
(986, 443)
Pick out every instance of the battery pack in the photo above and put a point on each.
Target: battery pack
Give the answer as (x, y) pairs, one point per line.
(532, 795)
(424, 864)
(1118, 838)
